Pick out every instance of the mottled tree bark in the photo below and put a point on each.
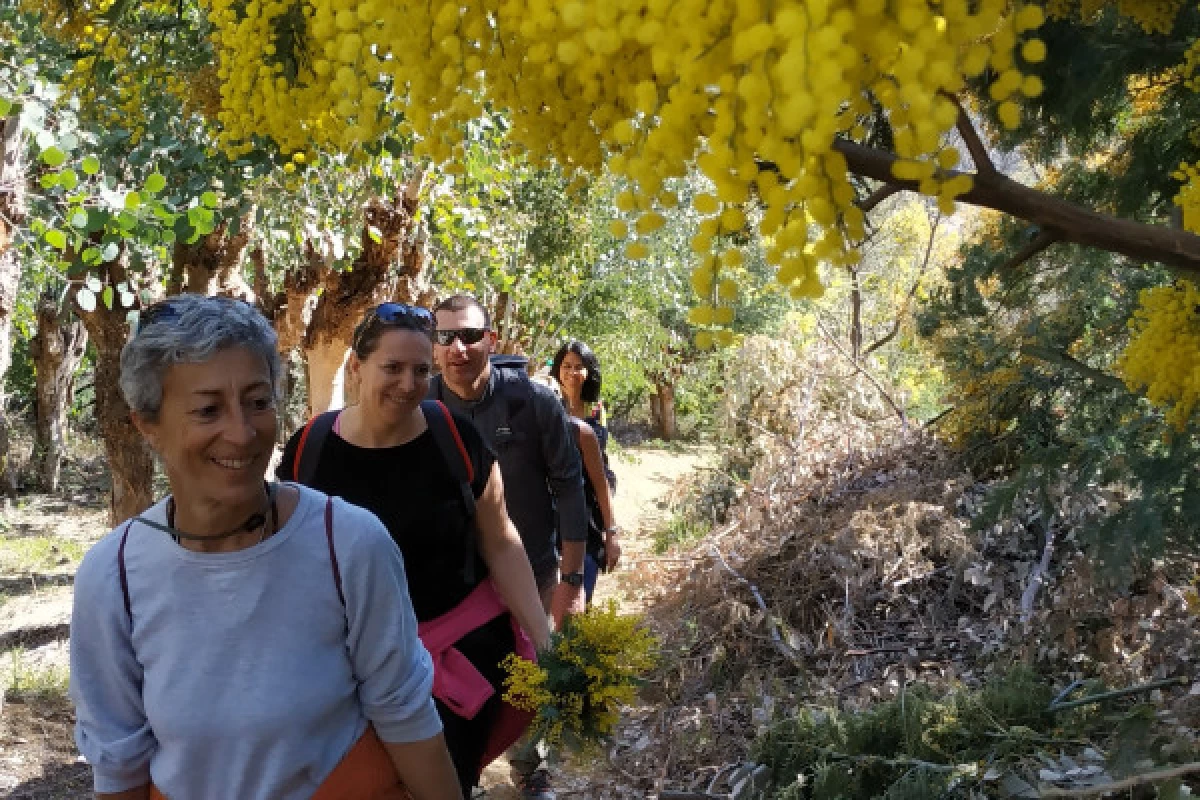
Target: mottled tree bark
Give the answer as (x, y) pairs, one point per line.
(12, 211)
(57, 350)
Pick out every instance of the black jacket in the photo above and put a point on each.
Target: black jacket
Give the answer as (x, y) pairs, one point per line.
(534, 440)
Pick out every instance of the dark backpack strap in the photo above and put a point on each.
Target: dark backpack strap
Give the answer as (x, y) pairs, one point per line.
(308, 449)
(333, 562)
(454, 454)
(121, 571)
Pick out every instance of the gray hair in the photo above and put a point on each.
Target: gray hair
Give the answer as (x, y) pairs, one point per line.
(190, 329)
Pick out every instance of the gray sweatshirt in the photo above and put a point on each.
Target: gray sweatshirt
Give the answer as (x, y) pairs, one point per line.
(534, 440)
(242, 674)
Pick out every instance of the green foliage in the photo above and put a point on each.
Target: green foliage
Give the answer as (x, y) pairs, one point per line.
(917, 745)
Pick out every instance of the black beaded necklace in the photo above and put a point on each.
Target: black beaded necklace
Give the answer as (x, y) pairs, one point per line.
(254, 521)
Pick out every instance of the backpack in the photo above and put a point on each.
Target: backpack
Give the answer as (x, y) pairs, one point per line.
(449, 444)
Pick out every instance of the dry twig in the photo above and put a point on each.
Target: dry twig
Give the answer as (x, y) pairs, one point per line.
(1156, 776)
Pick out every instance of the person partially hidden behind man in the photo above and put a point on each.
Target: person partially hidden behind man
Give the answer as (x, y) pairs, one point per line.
(534, 440)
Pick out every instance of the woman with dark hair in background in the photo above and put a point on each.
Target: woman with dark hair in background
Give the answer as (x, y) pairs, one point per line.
(577, 371)
(443, 504)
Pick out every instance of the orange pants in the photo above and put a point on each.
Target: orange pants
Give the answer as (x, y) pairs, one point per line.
(365, 773)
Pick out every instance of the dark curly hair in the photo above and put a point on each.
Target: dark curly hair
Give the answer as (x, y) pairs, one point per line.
(590, 392)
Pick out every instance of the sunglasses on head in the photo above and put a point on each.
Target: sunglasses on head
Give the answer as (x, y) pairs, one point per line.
(389, 313)
(468, 336)
(152, 314)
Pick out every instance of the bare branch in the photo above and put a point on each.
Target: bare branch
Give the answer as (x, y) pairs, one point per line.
(975, 145)
(937, 220)
(1034, 246)
(1051, 356)
(870, 378)
(878, 196)
(1128, 783)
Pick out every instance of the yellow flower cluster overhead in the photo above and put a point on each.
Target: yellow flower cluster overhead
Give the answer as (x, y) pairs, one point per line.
(1163, 359)
(752, 94)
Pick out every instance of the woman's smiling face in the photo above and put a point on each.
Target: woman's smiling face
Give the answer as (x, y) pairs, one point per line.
(215, 429)
(394, 378)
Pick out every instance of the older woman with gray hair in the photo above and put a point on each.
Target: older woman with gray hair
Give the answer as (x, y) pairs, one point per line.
(243, 638)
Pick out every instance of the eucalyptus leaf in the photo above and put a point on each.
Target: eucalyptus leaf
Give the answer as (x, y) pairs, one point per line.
(5, 107)
(68, 179)
(107, 297)
(79, 220)
(132, 200)
(93, 283)
(53, 157)
(128, 299)
(91, 165)
(210, 199)
(86, 299)
(110, 252)
(56, 238)
(155, 183)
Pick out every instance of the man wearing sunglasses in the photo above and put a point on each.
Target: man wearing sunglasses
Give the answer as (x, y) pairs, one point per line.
(534, 440)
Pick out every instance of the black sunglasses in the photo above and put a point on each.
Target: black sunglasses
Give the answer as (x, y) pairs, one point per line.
(391, 313)
(468, 336)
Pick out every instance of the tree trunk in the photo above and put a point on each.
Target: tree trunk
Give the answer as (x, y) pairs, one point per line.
(856, 330)
(211, 265)
(662, 409)
(319, 307)
(12, 211)
(130, 460)
(57, 350)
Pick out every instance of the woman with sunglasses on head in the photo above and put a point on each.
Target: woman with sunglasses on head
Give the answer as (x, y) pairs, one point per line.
(444, 506)
(243, 638)
(577, 371)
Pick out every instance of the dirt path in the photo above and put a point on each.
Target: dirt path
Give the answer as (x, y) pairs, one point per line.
(647, 479)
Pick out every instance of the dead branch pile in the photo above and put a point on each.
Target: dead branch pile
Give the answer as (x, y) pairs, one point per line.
(850, 569)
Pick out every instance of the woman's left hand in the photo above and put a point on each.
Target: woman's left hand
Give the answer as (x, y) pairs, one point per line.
(612, 549)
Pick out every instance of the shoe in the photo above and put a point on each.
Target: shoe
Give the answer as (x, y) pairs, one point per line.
(536, 786)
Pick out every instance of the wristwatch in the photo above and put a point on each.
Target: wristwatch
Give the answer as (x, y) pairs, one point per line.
(573, 579)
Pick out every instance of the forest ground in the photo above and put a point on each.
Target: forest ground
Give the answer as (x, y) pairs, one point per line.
(43, 537)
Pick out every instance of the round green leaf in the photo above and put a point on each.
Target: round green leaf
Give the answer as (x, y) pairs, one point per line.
(90, 256)
(68, 179)
(133, 200)
(210, 199)
(91, 165)
(49, 180)
(110, 252)
(5, 107)
(155, 183)
(79, 220)
(86, 299)
(56, 238)
(53, 156)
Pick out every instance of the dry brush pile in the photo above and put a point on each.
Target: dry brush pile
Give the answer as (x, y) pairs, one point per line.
(851, 576)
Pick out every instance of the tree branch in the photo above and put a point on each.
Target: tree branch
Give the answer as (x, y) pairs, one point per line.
(876, 197)
(1128, 783)
(870, 378)
(1034, 246)
(878, 343)
(975, 145)
(1051, 356)
(1177, 249)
